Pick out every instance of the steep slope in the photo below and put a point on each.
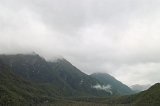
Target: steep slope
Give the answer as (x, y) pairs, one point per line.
(78, 80)
(35, 69)
(60, 76)
(118, 88)
(15, 90)
(150, 96)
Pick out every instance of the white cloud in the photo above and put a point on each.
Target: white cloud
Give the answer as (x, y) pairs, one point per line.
(142, 73)
(93, 35)
(106, 88)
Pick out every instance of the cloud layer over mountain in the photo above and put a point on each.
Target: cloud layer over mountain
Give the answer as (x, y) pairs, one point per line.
(120, 37)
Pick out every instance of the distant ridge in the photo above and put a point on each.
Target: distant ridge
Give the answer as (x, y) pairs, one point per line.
(150, 97)
(138, 88)
(117, 87)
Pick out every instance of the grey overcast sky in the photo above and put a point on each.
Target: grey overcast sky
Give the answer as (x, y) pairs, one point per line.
(120, 37)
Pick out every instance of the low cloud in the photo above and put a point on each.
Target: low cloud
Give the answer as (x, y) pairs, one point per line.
(106, 88)
(120, 37)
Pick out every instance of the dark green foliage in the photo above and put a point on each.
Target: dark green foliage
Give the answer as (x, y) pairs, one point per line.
(35, 69)
(14, 89)
(150, 97)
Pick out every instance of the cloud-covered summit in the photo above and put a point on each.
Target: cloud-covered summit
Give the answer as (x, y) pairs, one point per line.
(120, 37)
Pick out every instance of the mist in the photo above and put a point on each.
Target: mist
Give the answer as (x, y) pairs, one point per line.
(106, 88)
(119, 37)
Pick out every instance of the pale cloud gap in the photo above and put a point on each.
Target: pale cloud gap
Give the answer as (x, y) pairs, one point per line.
(120, 37)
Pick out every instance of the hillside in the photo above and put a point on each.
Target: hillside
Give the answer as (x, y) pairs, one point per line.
(76, 79)
(15, 90)
(32, 79)
(117, 87)
(59, 77)
(35, 69)
(150, 97)
(138, 88)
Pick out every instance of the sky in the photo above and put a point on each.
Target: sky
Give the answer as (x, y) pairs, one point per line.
(119, 37)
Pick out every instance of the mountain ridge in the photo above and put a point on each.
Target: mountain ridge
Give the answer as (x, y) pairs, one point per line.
(117, 86)
(61, 74)
(55, 78)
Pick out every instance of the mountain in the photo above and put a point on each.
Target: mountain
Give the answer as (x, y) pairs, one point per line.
(29, 78)
(59, 78)
(138, 88)
(76, 79)
(35, 69)
(118, 88)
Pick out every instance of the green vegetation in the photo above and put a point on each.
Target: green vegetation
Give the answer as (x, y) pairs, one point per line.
(30, 79)
(60, 77)
(150, 97)
(14, 89)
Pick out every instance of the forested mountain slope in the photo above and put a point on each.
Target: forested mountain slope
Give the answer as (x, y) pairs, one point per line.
(117, 87)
